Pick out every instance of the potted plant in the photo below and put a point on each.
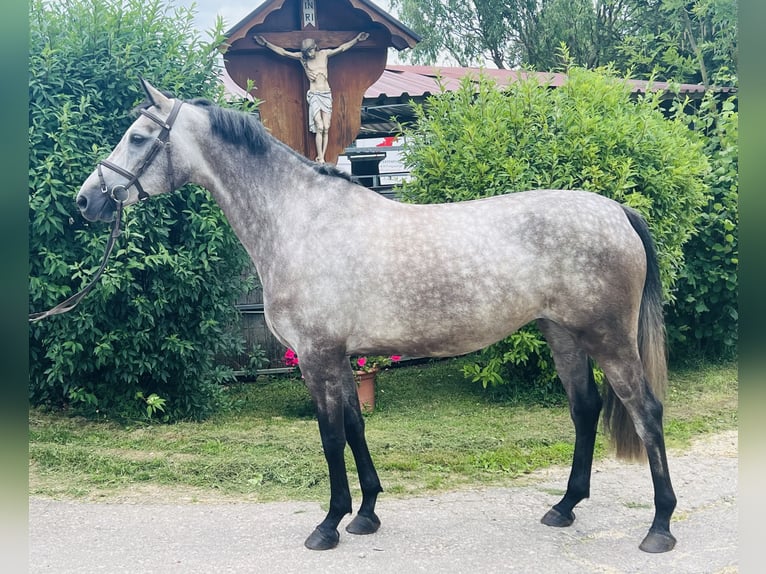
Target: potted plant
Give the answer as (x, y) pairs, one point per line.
(365, 371)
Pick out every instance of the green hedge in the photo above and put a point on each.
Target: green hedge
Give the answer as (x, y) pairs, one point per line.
(704, 319)
(146, 340)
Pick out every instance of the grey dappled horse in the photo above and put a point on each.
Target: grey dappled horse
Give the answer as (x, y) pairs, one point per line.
(348, 272)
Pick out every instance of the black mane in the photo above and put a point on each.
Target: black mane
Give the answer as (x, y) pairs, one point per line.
(240, 128)
(236, 127)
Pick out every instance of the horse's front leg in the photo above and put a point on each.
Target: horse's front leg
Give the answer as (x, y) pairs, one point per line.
(323, 373)
(366, 521)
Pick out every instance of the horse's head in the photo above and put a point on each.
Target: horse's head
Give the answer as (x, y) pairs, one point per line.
(140, 166)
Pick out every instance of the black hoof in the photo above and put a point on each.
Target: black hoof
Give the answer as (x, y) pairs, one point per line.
(363, 524)
(322, 539)
(656, 542)
(554, 518)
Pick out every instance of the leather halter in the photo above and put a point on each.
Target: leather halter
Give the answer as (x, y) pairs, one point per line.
(119, 193)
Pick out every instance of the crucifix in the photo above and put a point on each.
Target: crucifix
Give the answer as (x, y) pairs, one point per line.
(319, 96)
(283, 82)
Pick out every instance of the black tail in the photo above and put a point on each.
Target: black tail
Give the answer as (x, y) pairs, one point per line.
(651, 348)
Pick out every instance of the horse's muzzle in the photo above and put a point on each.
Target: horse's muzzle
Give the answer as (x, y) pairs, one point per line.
(95, 206)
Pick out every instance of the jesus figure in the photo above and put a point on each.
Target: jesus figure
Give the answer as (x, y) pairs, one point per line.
(319, 96)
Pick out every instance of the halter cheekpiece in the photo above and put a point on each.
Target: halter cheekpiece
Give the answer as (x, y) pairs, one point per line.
(119, 193)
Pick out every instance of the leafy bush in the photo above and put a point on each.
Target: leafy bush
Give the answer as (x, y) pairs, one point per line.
(145, 341)
(704, 318)
(588, 134)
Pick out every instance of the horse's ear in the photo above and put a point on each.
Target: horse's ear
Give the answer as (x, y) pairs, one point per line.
(154, 96)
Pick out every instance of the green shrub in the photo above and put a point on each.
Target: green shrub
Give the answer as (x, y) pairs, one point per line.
(588, 134)
(146, 340)
(704, 319)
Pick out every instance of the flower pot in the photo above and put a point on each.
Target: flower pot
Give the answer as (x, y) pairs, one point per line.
(365, 389)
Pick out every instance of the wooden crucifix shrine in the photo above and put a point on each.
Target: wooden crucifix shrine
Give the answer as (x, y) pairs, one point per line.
(311, 62)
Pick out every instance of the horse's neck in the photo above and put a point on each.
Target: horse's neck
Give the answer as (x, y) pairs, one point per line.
(258, 195)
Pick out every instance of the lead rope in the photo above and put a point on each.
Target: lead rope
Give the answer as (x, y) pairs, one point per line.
(71, 302)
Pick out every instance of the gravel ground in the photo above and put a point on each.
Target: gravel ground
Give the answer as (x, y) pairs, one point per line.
(471, 531)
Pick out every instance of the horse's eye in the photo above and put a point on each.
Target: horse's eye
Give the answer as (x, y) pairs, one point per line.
(137, 139)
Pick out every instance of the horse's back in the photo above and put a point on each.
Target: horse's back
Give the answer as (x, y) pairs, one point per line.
(552, 227)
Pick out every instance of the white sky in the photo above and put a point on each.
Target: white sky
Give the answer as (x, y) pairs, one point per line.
(232, 11)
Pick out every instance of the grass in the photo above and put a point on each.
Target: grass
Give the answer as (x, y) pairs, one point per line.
(432, 430)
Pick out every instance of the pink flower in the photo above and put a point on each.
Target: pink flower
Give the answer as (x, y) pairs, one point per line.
(361, 361)
(396, 358)
(290, 359)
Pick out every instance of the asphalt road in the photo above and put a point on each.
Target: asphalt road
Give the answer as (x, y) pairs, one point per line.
(471, 531)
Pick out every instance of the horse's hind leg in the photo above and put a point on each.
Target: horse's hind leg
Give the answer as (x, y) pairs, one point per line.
(366, 521)
(574, 370)
(626, 378)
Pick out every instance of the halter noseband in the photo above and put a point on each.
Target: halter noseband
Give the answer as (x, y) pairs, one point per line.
(119, 193)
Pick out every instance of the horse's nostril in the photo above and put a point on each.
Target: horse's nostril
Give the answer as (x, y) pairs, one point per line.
(82, 202)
